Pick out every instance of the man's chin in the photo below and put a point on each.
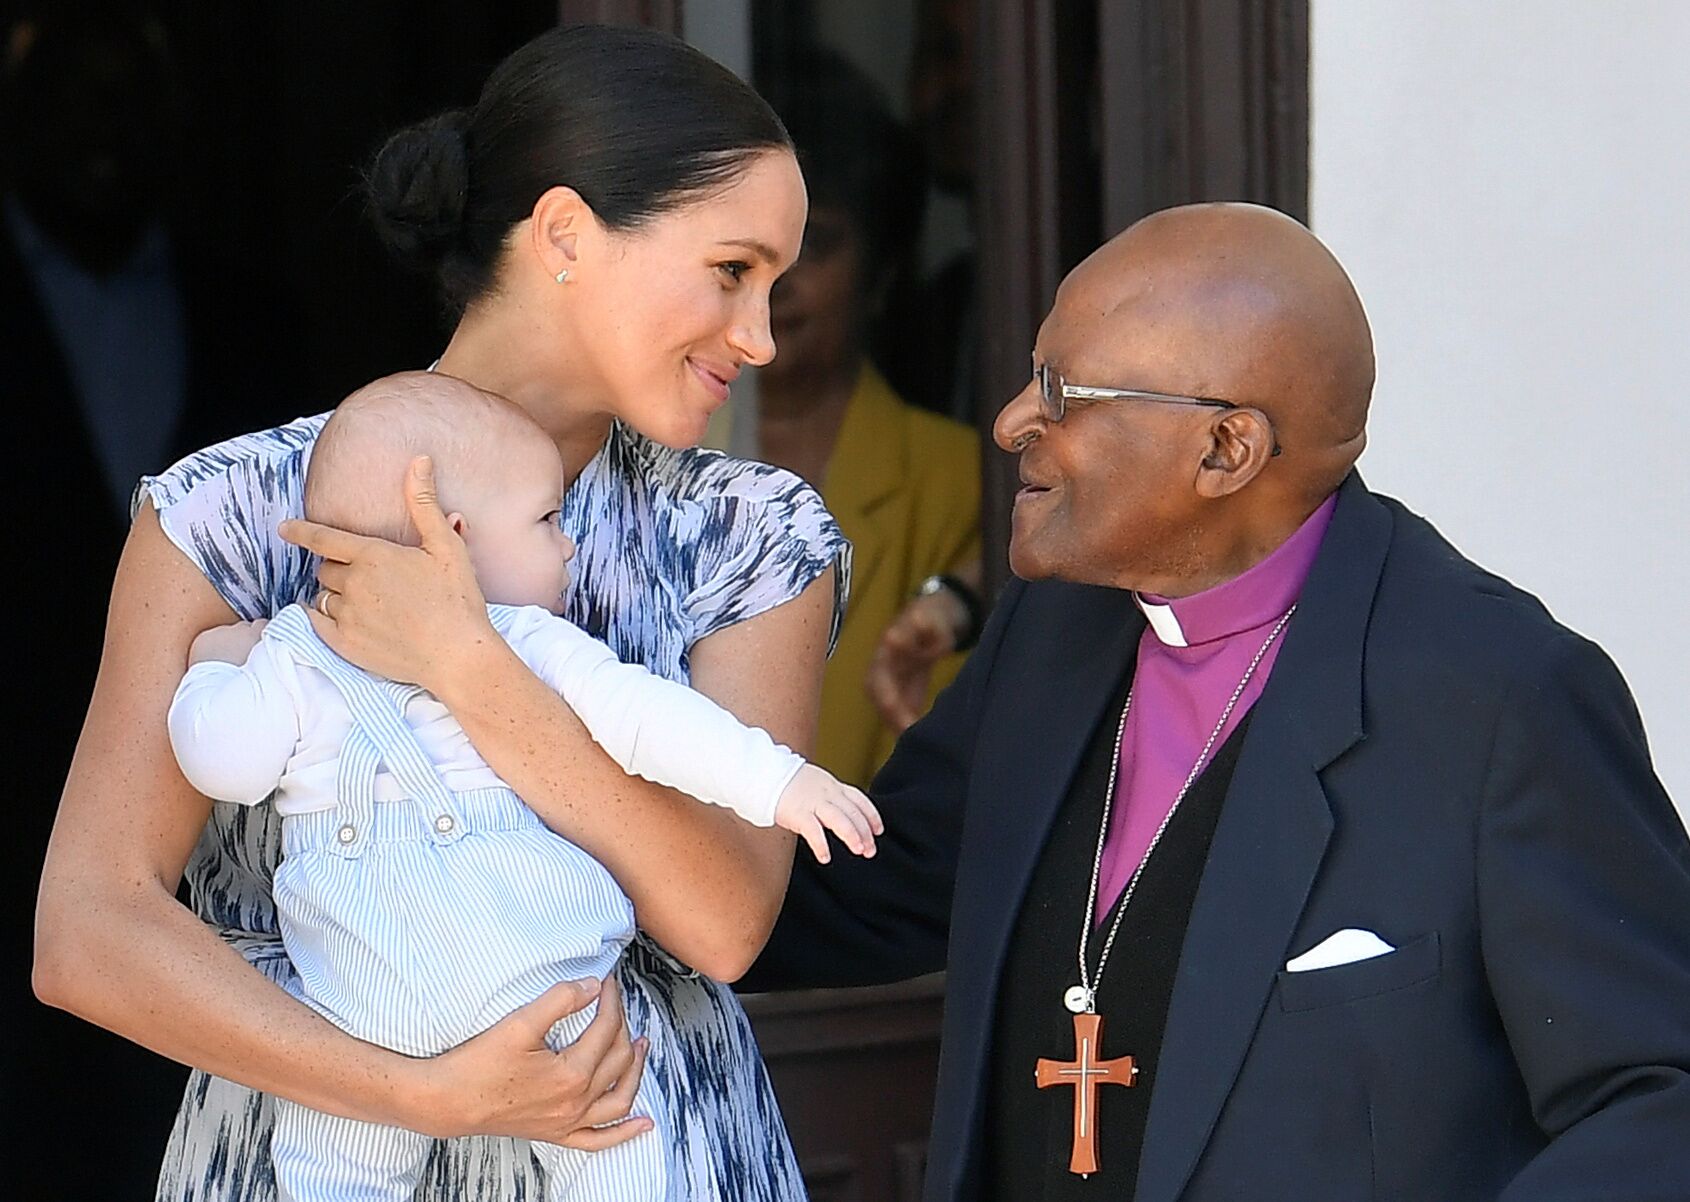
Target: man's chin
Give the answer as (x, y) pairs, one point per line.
(1026, 562)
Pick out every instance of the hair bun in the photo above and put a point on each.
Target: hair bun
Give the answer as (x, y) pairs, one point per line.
(417, 187)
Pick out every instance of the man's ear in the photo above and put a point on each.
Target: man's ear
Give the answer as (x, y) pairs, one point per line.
(1240, 444)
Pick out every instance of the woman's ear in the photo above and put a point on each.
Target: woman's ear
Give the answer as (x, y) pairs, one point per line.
(555, 229)
(1240, 444)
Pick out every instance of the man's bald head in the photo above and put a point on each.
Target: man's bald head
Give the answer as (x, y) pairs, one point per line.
(356, 476)
(1227, 302)
(1242, 303)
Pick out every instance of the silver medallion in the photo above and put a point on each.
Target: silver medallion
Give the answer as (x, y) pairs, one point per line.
(1077, 999)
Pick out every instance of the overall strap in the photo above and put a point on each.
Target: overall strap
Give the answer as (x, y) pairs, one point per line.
(380, 735)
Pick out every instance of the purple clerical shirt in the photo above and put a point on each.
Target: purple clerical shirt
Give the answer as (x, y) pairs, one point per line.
(1190, 659)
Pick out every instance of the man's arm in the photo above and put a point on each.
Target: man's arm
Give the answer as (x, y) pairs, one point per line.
(1584, 903)
(865, 922)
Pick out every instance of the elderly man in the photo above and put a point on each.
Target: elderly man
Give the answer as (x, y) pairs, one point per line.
(1278, 851)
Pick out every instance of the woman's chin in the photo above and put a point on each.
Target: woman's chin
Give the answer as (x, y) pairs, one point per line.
(685, 427)
(677, 427)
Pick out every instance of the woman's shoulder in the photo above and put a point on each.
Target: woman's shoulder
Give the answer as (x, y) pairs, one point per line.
(221, 507)
(699, 475)
(741, 536)
(267, 454)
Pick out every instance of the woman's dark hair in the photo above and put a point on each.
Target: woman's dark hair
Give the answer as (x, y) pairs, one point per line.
(636, 121)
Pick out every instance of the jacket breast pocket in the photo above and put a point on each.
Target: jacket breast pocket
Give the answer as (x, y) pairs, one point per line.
(1412, 963)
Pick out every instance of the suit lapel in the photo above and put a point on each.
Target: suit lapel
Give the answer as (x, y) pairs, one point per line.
(1048, 695)
(1268, 846)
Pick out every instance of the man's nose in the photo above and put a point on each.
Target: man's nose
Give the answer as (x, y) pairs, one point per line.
(1019, 421)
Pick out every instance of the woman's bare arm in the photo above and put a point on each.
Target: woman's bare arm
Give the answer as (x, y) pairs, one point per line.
(114, 946)
(704, 884)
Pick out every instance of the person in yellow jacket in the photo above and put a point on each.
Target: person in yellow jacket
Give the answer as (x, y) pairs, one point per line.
(903, 483)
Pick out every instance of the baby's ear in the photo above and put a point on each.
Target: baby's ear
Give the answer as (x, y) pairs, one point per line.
(458, 523)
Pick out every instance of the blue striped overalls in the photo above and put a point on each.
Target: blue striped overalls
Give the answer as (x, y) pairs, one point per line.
(417, 924)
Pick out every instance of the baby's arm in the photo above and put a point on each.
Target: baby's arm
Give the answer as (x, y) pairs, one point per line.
(668, 733)
(233, 726)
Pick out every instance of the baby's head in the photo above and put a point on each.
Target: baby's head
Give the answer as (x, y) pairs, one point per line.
(498, 474)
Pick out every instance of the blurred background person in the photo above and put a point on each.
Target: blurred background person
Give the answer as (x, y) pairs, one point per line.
(123, 341)
(903, 483)
(928, 340)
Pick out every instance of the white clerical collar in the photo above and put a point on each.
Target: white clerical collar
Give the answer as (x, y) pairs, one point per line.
(1163, 621)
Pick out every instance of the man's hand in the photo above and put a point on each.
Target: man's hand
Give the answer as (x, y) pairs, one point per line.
(925, 631)
(814, 803)
(229, 644)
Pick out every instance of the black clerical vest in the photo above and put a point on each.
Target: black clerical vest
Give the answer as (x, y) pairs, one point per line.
(1029, 1131)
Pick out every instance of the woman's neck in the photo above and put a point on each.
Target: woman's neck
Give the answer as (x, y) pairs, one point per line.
(498, 356)
(799, 417)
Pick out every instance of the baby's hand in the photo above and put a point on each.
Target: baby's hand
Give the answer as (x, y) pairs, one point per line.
(229, 644)
(814, 800)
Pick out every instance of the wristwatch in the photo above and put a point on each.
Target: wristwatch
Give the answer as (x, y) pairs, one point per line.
(970, 603)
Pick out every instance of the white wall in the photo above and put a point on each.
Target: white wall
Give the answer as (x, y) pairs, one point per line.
(1509, 185)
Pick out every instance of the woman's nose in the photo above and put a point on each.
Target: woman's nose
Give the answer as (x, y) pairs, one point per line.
(752, 338)
(1019, 422)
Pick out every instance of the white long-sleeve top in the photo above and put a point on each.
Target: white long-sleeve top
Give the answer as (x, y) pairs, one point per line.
(276, 725)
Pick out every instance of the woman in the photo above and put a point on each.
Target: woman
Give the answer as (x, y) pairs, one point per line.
(609, 220)
(903, 483)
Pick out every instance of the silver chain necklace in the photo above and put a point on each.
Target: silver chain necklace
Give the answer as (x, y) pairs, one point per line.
(1082, 998)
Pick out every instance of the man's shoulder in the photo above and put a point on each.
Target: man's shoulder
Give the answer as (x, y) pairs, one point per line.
(1450, 615)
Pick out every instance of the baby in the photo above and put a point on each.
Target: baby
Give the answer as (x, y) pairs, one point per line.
(419, 899)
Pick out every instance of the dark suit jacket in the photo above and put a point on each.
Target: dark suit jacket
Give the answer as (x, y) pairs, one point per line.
(1434, 759)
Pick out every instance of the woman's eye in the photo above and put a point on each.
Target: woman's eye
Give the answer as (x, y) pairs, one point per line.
(734, 270)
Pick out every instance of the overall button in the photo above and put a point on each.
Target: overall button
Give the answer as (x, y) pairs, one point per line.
(346, 833)
(444, 824)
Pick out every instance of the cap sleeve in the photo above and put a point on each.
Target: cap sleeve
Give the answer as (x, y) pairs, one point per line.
(221, 507)
(761, 541)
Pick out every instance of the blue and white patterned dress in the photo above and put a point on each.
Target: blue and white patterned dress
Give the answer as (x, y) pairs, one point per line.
(672, 546)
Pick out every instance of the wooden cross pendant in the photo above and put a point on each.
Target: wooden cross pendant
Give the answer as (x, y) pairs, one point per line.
(1085, 1073)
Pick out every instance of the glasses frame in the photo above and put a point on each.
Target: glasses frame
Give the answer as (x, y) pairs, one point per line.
(1055, 392)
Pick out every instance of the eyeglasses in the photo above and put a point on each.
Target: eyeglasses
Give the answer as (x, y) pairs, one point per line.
(1055, 393)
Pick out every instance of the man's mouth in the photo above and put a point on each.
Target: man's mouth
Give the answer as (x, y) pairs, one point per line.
(1031, 488)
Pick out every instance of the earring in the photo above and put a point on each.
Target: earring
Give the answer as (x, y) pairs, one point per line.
(562, 275)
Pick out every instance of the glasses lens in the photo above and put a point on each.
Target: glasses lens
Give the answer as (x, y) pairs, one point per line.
(1050, 394)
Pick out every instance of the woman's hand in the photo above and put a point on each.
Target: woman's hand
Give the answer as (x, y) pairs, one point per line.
(406, 613)
(506, 1081)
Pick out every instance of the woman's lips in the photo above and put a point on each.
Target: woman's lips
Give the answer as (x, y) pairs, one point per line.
(716, 385)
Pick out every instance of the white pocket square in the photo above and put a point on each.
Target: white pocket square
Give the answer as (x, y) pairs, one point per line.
(1345, 947)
